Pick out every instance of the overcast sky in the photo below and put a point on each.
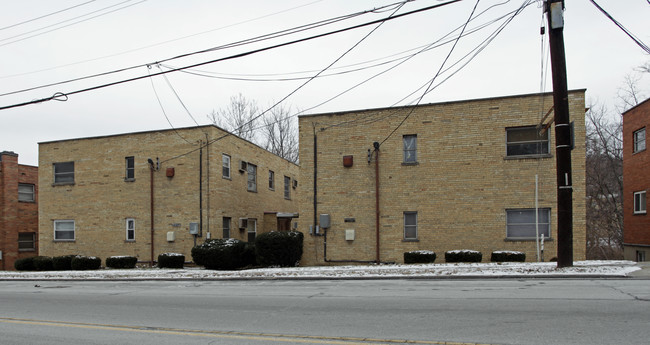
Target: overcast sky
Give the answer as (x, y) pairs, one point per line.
(44, 42)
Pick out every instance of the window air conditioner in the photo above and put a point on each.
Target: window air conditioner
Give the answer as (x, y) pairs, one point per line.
(295, 184)
(243, 223)
(242, 166)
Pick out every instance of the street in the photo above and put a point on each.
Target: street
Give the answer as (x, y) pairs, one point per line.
(493, 311)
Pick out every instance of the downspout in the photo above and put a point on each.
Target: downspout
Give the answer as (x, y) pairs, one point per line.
(376, 145)
(200, 191)
(151, 170)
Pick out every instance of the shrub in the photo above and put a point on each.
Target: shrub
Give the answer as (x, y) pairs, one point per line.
(121, 261)
(82, 263)
(62, 263)
(43, 263)
(419, 257)
(508, 256)
(24, 264)
(248, 256)
(219, 254)
(282, 249)
(463, 256)
(171, 260)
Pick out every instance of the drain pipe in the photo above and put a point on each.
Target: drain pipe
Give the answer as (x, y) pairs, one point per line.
(151, 170)
(376, 145)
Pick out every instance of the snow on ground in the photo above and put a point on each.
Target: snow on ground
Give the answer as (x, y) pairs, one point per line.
(486, 270)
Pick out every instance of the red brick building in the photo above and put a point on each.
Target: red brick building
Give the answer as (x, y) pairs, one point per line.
(18, 210)
(636, 182)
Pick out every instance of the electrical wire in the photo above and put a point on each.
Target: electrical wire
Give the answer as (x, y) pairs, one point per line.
(178, 97)
(71, 24)
(630, 34)
(239, 55)
(164, 112)
(256, 39)
(46, 15)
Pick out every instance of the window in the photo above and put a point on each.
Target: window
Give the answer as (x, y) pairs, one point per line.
(130, 229)
(64, 230)
(64, 173)
(271, 180)
(225, 159)
(130, 169)
(252, 229)
(640, 256)
(26, 192)
(227, 221)
(26, 241)
(639, 140)
(520, 223)
(410, 146)
(639, 203)
(410, 225)
(526, 141)
(287, 187)
(252, 177)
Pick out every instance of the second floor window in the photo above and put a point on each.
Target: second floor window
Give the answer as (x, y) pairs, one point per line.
(252, 177)
(64, 173)
(271, 180)
(639, 203)
(639, 140)
(130, 168)
(410, 148)
(26, 192)
(225, 162)
(287, 187)
(526, 141)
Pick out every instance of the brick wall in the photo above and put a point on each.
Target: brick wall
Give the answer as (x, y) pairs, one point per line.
(460, 187)
(100, 200)
(635, 179)
(16, 216)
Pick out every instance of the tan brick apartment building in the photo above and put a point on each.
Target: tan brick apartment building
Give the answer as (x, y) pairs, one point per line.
(446, 176)
(18, 210)
(100, 195)
(636, 182)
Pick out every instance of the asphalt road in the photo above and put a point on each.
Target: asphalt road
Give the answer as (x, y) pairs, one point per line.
(497, 311)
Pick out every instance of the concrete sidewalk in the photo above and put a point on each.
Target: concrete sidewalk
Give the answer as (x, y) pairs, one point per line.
(644, 272)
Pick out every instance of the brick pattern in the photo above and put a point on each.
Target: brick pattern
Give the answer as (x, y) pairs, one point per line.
(100, 199)
(16, 216)
(636, 165)
(460, 187)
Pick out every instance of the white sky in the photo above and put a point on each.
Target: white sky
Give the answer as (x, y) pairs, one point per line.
(599, 55)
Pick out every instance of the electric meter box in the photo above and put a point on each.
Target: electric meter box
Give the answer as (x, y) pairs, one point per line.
(194, 228)
(324, 221)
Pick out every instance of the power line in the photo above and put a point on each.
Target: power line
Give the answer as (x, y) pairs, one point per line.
(178, 97)
(165, 113)
(239, 55)
(630, 34)
(45, 16)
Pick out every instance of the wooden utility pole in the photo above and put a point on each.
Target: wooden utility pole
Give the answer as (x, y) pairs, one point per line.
(555, 14)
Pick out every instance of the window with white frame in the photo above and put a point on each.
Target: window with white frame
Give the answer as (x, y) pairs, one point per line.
(520, 223)
(64, 173)
(26, 241)
(526, 141)
(271, 180)
(252, 177)
(639, 202)
(287, 187)
(225, 163)
(639, 140)
(227, 223)
(410, 148)
(64, 230)
(130, 229)
(26, 192)
(410, 226)
(252, 229)
(129, 174)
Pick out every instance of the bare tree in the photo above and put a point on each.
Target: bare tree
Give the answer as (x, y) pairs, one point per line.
(280, 133)
(238, 117)
(604, 179)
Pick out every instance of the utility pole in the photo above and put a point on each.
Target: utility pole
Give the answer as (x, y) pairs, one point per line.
(555, 14)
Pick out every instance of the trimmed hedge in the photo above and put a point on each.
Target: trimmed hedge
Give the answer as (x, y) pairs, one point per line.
(508, 256)
(83, 263)
(220, 254)
(171, 260)
(62, 263)
(463, 256)
(249, 258)
(279, 248)
(121, 261)
(419, 257)
(43, 263)
(25, 264)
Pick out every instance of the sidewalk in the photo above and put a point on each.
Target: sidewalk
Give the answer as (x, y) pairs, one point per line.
(644, 272)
